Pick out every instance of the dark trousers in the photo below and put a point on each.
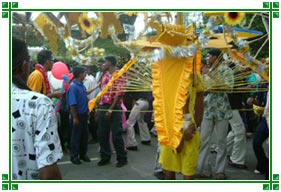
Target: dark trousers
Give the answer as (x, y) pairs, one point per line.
(115, 126)
(65, 129)
(93, 126)
(79, 137)
(260, 136)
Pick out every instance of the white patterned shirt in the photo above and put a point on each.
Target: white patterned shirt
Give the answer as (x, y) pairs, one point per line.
(216, 105)
(35, 139)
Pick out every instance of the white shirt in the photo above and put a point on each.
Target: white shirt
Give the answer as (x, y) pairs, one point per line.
(90, 82)
(35, 140)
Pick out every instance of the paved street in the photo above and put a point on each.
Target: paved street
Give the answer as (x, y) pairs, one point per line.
(140, 166)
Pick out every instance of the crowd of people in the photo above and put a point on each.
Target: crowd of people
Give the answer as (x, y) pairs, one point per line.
(40, 135)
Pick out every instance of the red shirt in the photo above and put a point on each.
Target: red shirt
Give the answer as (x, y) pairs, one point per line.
(116, 90)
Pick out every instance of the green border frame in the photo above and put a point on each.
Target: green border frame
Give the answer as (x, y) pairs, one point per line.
(271, 184)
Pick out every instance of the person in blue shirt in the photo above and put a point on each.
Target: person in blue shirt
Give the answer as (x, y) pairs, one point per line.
(77, 101)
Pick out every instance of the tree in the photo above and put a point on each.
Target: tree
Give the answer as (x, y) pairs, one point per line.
(259, 46)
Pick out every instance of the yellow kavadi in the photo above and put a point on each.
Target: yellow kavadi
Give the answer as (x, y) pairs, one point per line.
(171, 79)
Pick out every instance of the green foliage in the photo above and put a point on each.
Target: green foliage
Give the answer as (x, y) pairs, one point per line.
(29, 35)
(110, 48)
(62, 50)
(258, 26)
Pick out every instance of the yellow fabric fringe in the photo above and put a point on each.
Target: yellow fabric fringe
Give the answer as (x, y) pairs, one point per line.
(171, 79)
(92, 103)
(196, 85)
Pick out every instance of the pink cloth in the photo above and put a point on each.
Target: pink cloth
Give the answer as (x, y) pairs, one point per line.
(114, 91)
(111, 144)
(124, 120)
